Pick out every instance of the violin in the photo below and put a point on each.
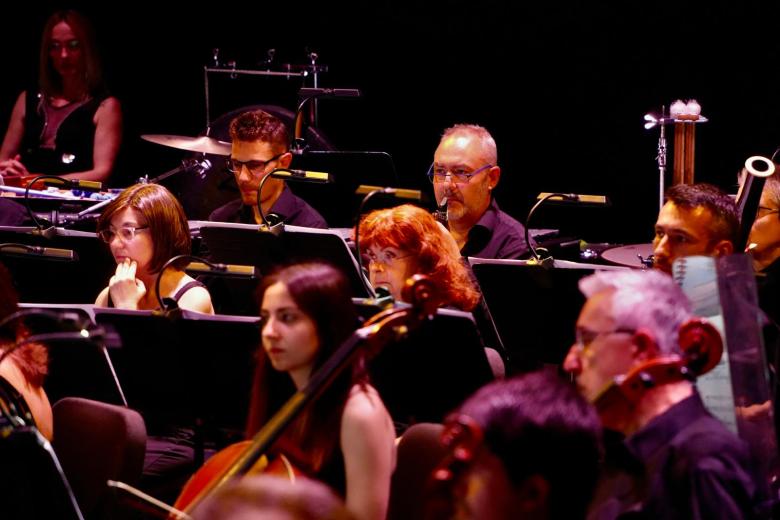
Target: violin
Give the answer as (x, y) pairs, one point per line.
(246, 457)
(702, 348)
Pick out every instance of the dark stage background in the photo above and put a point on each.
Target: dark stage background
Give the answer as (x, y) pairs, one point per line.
(562, 85)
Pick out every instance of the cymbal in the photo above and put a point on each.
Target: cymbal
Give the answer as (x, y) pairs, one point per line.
(203, 144)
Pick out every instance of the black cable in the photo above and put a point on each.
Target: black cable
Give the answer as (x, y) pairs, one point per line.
(167, 264)
(27, 198)
(363, 276)
(564, 196)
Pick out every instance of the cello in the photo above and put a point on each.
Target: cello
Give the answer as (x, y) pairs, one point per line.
(702, 348)
(242, 458)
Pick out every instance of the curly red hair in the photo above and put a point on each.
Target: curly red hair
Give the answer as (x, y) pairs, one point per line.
(436, 255)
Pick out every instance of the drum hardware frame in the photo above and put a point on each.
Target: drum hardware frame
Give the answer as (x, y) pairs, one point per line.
(312, 69)
(684, 140)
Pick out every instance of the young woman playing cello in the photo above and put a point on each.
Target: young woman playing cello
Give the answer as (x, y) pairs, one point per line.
(345, 438)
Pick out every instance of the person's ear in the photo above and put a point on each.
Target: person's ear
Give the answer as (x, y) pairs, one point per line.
(645, 345)
(285, 160)
(494, 175)
(533, 495)
(723, 248)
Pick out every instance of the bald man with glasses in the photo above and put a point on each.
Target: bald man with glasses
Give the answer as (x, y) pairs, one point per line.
(464, 174)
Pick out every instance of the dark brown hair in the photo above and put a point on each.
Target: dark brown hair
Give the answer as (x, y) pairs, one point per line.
(537, 424)
(49, 79)
(715, 200)
(323, 294)
(164, 215)
(259, 125)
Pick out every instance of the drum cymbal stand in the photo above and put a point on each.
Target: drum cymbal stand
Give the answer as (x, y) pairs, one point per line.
(650, 122)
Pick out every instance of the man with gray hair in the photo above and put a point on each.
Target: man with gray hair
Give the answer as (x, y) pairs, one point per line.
(464, 174)
(676, 460)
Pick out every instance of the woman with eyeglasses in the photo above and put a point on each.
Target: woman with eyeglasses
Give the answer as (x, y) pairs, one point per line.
(405, 240)
(145, 226)
(68, 125)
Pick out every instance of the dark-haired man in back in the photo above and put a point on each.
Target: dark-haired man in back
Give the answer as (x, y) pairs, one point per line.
(260, 145)
(697, 219)
(526, 448)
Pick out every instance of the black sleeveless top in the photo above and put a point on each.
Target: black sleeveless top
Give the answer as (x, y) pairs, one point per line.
(74, 141)
(14, 407)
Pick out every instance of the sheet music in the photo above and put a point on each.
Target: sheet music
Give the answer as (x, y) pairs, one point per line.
(698, 278)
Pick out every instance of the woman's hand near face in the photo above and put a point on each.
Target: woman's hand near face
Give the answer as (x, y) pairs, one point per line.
(126, 290)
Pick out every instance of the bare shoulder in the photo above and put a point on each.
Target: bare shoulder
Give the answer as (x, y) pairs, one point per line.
(109, 108)
(196, 299)
(110, 104)
(364, 404)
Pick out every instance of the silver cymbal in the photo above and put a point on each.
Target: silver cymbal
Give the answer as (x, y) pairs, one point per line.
(203, 144)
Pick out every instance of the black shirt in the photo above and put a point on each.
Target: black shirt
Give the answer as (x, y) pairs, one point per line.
(683, 464)
(292, 209)
(496, 235)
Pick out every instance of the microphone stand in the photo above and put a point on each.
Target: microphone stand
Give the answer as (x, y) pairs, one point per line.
(277, 228)
(200, 166)
(363, 275)
(547, 260)
(215, 269)
(661, 158)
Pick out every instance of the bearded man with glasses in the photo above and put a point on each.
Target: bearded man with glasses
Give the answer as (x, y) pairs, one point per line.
(464, 174)
(260, 144)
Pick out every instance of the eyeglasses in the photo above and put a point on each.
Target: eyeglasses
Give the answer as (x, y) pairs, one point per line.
(764, 211)
(385, 258)
(458, 175)
(584, 337)
(126, 233)
(256, 168)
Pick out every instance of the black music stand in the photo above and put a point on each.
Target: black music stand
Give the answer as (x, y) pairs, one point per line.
(193, 370)
(32, 483)
(245, 244)
(49, 280)
(337, 201)
(190, 369)
(430, 373)
(77, 368)
(534, 308)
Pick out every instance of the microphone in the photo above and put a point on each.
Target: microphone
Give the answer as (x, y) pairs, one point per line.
(74, 184)
(399, 193)
(441, 212)
(227, 270)
(58, 218)
(308, 92)
(302, 175)
(600, 200)
(67, 255)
